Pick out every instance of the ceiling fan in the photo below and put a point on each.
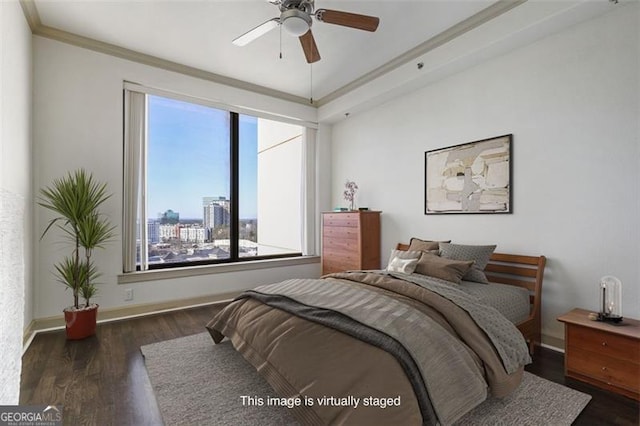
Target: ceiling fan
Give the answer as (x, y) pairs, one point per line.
(296, 18)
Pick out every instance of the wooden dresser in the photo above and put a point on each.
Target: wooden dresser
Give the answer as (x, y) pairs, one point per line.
(603, 354)
(350, 240)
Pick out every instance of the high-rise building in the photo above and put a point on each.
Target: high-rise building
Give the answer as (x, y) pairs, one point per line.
(153, 231)
(215, 213)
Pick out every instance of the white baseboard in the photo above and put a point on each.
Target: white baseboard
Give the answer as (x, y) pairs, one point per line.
(42, 325)
(553, 348)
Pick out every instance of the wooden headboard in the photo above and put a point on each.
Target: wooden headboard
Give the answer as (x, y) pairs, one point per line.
(521, 271)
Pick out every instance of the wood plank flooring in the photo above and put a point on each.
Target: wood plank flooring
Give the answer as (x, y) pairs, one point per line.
(102, 380)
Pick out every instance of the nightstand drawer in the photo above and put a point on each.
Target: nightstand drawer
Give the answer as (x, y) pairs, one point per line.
(604, 368)
(602, 342)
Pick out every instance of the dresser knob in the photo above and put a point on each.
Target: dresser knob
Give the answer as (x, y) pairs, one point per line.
(604, 368)
(604, 343)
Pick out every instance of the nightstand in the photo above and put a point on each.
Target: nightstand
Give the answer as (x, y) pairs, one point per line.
(603, 354)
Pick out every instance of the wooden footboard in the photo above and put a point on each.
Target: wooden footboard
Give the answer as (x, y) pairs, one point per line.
(521, 271)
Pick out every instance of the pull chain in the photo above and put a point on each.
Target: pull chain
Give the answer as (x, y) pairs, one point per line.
(311, 84)
(280, 29)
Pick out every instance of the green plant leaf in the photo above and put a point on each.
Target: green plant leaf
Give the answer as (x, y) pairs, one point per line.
(93, 231)
(88, 291)
(76, 199)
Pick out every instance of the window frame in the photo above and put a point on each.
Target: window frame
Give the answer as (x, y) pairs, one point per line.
(131, 197)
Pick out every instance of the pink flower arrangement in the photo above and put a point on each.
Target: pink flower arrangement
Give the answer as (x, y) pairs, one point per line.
(350, 193)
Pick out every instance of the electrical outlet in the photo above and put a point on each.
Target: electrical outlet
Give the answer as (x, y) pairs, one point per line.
(128, 294)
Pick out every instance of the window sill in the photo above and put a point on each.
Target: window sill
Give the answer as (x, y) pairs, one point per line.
(192, 271)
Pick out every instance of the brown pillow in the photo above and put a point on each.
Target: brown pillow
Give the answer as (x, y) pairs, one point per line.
(416, 244)
(440, 267)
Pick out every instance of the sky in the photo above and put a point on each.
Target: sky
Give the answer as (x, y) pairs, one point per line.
(188, 158)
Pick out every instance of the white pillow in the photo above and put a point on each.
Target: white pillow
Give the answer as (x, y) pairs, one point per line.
(403, 261)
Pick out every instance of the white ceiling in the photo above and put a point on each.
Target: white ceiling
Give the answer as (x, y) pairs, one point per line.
(357, 68)
(199, 34)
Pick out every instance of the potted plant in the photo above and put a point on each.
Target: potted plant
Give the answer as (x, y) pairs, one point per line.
(76, 199)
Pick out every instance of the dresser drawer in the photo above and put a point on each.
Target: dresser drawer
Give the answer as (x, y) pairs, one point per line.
(602, 342)
(350, 220)
(340, 246)
(338, 264)
(342, 232)
(604, 368)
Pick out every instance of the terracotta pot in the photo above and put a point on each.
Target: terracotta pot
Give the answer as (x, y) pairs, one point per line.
(81, 324)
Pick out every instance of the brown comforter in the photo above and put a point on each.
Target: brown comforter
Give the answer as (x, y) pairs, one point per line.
(369, 348)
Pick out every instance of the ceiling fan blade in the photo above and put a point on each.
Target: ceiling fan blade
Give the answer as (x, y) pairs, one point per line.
(346, 19)
(258, 31)
(310, 48)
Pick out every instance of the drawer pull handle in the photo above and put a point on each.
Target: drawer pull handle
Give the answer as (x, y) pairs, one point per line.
(604, 368)
(604, 343)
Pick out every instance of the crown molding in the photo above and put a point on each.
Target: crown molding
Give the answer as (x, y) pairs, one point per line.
(31, 14)
(37, 28)
(485, 15)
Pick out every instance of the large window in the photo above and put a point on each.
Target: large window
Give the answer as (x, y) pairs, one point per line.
(209, 185)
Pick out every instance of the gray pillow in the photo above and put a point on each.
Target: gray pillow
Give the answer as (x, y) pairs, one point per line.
(403, 261)
(479, 254)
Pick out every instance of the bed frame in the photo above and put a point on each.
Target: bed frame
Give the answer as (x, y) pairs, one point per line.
(521, 271)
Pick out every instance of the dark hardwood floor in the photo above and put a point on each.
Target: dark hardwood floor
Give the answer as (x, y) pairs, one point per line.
(102, 380)
(605, 408)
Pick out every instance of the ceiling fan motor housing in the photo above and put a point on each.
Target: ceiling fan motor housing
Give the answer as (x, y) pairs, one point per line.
(303, 5)
(295, 22)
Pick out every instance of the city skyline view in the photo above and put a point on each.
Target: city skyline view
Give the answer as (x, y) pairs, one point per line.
(187, 185)
(188, 158)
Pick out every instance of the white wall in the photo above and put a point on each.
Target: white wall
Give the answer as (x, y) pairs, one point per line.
(572, 102)
(78, 123)
(15, 195)
(279, 195)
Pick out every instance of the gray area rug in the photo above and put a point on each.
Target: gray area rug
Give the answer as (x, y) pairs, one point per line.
(197, 382)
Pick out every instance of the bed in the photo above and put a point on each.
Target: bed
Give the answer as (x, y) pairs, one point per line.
(380, 347)
(521, 271)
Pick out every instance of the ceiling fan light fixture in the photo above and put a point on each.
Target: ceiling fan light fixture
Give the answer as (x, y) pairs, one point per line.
(296, 18)
(295, 22)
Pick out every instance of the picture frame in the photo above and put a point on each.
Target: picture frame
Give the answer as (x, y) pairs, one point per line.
(470, 178)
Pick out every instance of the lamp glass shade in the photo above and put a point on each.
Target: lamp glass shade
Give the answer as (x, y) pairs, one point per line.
(610, 298)
(295, 25)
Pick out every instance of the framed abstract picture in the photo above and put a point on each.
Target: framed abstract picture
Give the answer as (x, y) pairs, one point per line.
(472, 178)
